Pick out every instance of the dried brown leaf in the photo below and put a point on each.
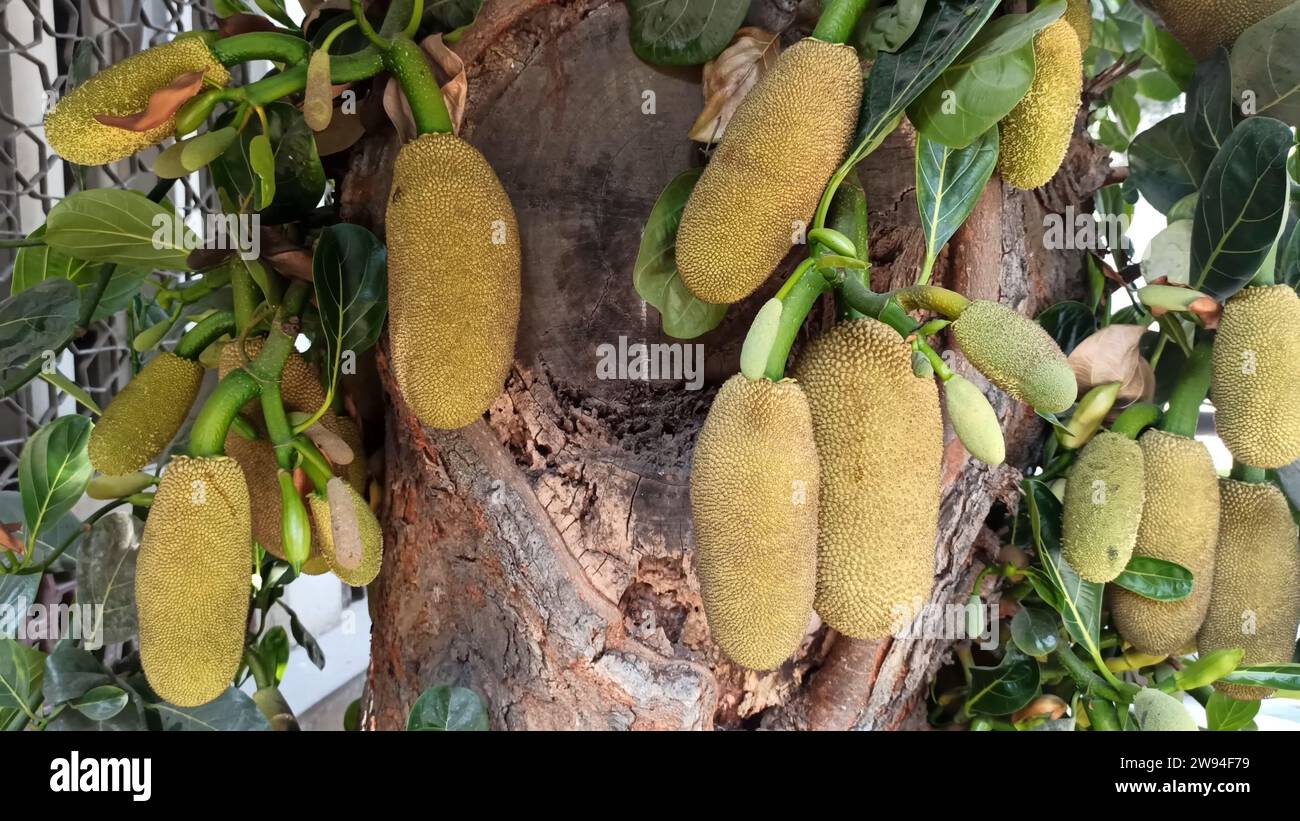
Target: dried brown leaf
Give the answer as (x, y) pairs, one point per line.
(294, 263)
(446, 63)
(1051, 706)
(7, 539)
(163, 104)
(243, 23)
(730, 76)
(1110, 355)
(341, 134)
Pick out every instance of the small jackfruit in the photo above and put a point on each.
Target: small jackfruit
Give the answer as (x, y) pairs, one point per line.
(1204, 25)
(1078, 13)
(767, 175)
(300, 385)
(879, 436)
(754, 501)
(121, 90)
(192, 580)
(1257, 376)
(1016, 354)
(1036, 134)
(141, 421)
(1160, 712)
(1180, 524)
(454, 280)
(973, 420)
(1103, 507)
(360, 566)
(1255, 603)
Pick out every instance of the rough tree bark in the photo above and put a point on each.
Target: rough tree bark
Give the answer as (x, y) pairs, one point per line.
(544, 556)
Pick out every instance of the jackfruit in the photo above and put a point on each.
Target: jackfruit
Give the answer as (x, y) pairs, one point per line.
(1036, 134)
(1078, 13)
(767, 174)
(300, 385)
(879, 436)
(360, 570)
(1103, 507)
(192, 580)
(1255, 603)
(121, 90)
(1180, 524)
(973, 420)
(347, 430)
(142, 420)
(1016, 354)
(454, 280)
(754, 501)
(1204, 25)
(1160, 712)
(1257, 376)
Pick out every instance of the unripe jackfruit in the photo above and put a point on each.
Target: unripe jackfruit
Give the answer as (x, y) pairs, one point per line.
(1255, 604)
(1036, 134)
(1103, 507)
(973, 420)
(142, 420)
(453, 280)
(1078, 13)
(754, 501)
(1180, 524)
(879, 438)
(1160, 712)
(300, 386)
(1204, 25)
(357, 570)
(121, 90)
(1257, 376)
(767, 175)
(1016, 354)
(192, 580)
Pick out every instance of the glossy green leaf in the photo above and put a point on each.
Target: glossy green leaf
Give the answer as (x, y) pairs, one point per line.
(998, 691)
(1155, 84)
(1156, 579)
(655, 276)
(261, 158)
(63, 383)
(276, 11)
(949, 182)
(304, 638)
(274, 650)
(448, 708)
(1164, 163)
(1226, 714)
(52, 536)
(350, 274)
(106, 577)
(21, 670)
(1081, 601)
(1240, 210)
(299, 178)
(969, 99)
(71, 672)
(1209, 106)
(1266, 67)
(39, 319)
(1069, 323)
(1164, 50)
(886, 27)
(101, 703)
(1276, 676)
(53, 472)
(121, 226)
(232, 710)
(1034, 631)
(449, 15)
(683, 32)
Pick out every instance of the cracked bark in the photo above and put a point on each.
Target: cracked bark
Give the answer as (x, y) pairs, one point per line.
(543, 556)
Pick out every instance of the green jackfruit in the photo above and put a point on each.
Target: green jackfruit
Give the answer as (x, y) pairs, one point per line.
(1257, 376)
(1204, 25)
(1016, 354)
(767, 175)
(1103, 507)
(356, 570)
(754, 499)
(1180, 524)
(142, 420)
(1036, 134)
(192, 580)
(879, 436)
(1255, 603)
(1078, 13)
(300, 386)
(973, 420)
(1160, 712)
(121, 90)
(454, 280)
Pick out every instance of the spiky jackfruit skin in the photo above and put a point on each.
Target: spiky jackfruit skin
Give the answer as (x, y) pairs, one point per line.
(142, 420)
(300, 385)
(754, 501)
(1103, 507)
(1160, 712)
(1016, 354)
(1036, 134)
(879, 436)
(1078, 13)
(1204, 25)
(121, 90)
(1257, 376)
(372, 539)
(1180, 524)
(453, 280)
(192, 579)
(1255, 604)
(780, 149)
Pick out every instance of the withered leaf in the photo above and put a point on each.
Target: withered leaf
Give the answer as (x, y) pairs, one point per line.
(1112, 355)
(163, 104)
(7, 539)
(730, 76)
(244, 23)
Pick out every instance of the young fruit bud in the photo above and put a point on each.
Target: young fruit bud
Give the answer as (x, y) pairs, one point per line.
(1161, 712)
(758, 342)
(974, 420)
(1016, 354)
(295, 529)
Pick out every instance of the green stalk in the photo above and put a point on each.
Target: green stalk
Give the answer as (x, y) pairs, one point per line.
(878, 306)
(407, 62)
(1249, 474)
(208, 436)
(1193, 385)
(204, 333)
(313, 463)
(798, 296)
(1088, 682)
(948, 304)
(246, 295)
(1135, 419)
(261, 45)
(838, 19)
(278, 429)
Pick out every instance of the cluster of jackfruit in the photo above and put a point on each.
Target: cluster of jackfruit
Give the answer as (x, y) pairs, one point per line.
(141, 421)
(1036, 134)
(1205, 25)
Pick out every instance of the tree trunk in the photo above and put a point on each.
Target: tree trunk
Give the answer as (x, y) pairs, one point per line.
(544, 557)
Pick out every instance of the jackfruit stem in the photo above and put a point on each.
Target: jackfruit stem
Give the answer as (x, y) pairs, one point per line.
(1135, 419)
(1243, 472)
(1184, 413)
(278, 429)
(1088, 681)
(408, 64)
(313, 463)
(797, 296)
(838, 19)
(942, 301)
(203, 334)
(260, 45)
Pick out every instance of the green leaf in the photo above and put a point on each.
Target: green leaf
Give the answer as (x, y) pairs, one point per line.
(1034, 631)
(121, 226)
(52, 536)
(350, 274)
(53, 472)
(39, 319)
(299, 179)
(71, 672)
(1122, 100)
(1166, 52)
(1155, 84)
(949, 182)
(1209, 107)
(1266, 67)
(101, 703)
(21, 670)
(1069, 323)
(304, 639)
(1275, 676)
(274, 650)
(1081, 601)
(1170, 254)
(106, 577)
(448, 708)
(1164, 163)
(655, 276)
(72, 389)
(450, 15)
(276, 11)
(969, 99)
(1156, 579)
(998, 691)
(886, 28)
(261, 158)
(1227, 714)
(228, 8)
(232, 710)
(683, 32)
(1239, 213)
